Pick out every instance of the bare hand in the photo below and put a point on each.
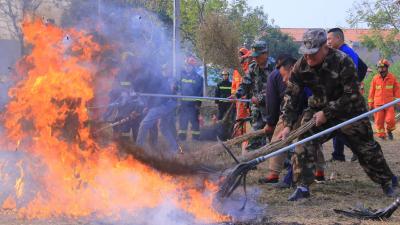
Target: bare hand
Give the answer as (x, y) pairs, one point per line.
(254, 100)
(319, 118)
(269, 129)
(284, 133)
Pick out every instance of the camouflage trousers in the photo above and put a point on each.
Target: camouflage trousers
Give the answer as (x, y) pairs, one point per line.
(257, 123)
(276, 163)
(361, 141)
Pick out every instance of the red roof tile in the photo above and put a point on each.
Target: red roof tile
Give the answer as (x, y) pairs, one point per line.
(352, 35)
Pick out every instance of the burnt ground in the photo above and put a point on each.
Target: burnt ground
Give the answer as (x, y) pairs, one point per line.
(350, 188)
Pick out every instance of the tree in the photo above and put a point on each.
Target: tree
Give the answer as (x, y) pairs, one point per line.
(218, 41)
(12, 13)
(382, 16)
(253, 24)
(193, 13)
(279, 43)
(249, 21)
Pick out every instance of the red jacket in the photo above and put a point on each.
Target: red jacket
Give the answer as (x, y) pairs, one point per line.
(383, 91)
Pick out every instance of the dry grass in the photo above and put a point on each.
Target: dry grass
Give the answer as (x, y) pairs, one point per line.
(351, 187)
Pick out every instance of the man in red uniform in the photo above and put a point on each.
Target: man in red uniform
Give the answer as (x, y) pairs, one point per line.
(384, 89)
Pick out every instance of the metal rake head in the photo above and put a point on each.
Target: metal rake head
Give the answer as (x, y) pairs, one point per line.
(370, 214)
(235, 178)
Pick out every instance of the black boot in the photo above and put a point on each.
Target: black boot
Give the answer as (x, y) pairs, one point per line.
(390, 135)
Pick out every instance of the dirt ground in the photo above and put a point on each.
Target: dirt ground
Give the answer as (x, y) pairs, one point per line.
(350, 188)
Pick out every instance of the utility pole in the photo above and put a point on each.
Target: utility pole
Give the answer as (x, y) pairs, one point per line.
(176, 35)
(98, 9)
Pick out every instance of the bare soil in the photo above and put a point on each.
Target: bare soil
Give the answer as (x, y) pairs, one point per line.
(350, 188)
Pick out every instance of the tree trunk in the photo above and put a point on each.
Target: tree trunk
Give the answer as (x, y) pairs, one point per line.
(205, 82)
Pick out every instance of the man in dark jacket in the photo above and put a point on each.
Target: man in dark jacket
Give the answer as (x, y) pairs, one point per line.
(223, 90)
(160, 109)
(122, 105)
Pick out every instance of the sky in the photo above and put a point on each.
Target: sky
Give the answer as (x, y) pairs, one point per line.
(306, 13)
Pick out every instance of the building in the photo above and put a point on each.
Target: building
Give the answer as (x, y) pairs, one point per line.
(353, 37)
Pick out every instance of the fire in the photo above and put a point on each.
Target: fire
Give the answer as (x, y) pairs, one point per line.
(70, 174)
(9, 203)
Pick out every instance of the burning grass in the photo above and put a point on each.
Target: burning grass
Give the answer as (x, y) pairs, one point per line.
(59, 170)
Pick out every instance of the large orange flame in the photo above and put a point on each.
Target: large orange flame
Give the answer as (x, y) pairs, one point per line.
(47, 117)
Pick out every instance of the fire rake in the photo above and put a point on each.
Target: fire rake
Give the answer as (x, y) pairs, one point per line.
(238, 174)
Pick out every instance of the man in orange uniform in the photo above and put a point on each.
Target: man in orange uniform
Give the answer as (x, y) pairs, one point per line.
(384, 89)
(242, 110)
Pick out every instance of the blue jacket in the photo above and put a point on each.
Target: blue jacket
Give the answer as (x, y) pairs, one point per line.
(351, 53)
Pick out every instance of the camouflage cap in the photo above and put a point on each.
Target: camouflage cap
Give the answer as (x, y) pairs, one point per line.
(313, 40)
(258, 48)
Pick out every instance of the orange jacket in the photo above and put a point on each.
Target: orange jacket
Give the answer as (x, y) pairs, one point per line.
(383, 91)
(237, 78)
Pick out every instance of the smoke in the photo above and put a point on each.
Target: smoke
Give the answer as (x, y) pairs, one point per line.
(244, 207)
(57, 170)
(100, 185)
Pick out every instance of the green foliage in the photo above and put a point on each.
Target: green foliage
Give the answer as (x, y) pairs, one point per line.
(379, 15)
(280, 43)
(253, 25)
(193, 14)
(388, 45)
(249, 24)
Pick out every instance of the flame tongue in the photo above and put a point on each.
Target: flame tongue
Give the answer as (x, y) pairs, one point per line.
(71, 174)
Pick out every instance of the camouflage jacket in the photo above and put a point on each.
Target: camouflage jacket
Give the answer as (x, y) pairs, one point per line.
(334, 86)
(254, 83)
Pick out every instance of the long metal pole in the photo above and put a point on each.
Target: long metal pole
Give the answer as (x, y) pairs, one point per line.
(191, 97)
(198, 98)
(261, 159)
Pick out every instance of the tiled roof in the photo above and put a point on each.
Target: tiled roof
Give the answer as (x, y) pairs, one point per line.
(351, 35)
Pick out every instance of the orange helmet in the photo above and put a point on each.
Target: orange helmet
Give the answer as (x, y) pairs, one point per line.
(383, 62)
(244, 51)
(248, 55)
(191, 61)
